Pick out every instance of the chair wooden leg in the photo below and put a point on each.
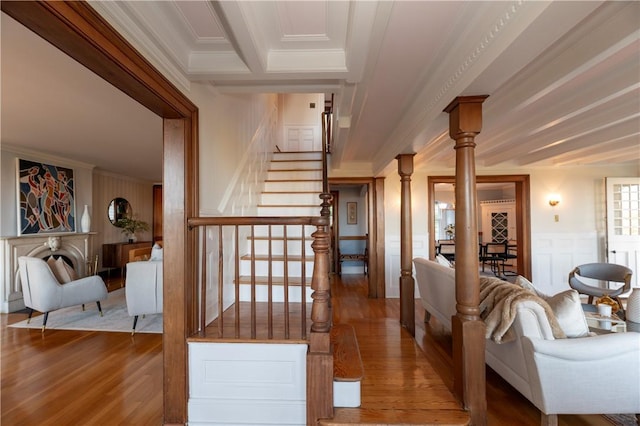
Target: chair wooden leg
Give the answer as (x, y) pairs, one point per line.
(135, 321)
(99, 308)
(30, 314)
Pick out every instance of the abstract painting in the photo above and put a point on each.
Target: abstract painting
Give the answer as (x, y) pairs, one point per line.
(46, 198)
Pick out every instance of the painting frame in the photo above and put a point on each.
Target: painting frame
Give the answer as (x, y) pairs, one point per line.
(352, 213)
(46, 198)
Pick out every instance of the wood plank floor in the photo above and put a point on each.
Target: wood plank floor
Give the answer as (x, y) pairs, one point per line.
(96, 378)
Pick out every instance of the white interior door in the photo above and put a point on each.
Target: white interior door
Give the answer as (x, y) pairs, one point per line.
(623, 223)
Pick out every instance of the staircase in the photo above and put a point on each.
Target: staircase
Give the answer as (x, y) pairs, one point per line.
(292, 188)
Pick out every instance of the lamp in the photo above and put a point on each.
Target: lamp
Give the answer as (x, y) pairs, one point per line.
(554, 200)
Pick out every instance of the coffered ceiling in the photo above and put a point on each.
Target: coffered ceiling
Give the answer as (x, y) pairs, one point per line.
(563, 78)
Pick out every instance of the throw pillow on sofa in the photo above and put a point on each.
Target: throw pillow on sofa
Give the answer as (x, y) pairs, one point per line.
(566, 306)
(568, 310)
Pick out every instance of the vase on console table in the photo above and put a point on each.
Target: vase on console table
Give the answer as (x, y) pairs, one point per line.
(633, 306)
(85, 220)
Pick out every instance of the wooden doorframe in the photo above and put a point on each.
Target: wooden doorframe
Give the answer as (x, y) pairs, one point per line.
(78, 30)
(523, 213)
(375, 226)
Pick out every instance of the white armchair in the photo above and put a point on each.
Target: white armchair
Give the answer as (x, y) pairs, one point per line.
(42, 291)
(143, 289)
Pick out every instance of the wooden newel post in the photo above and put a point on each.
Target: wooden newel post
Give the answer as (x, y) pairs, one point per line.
(319, 356)
(465, 122)
(407, 283)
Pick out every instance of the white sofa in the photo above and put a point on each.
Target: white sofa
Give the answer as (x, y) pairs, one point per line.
(559, 376)
(143, 288)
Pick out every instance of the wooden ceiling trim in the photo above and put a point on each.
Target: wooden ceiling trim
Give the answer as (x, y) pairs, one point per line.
(81, 33)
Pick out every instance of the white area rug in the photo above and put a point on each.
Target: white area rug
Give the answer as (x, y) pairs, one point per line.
(116, 318)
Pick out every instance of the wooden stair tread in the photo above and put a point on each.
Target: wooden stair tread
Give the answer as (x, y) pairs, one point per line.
(347, 364)
(290, 205)
(279, 281)
(370, 416)
(294, 170)
(293, 180)
(291, 257)
(290, 192)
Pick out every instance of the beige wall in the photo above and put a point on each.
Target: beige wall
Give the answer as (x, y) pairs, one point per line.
(106, 187)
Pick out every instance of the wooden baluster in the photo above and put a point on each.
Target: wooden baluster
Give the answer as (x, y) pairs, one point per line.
(203, 281)
(253, 283)
(237, 286)
(303, 288)
(270, 288)
(286, 282)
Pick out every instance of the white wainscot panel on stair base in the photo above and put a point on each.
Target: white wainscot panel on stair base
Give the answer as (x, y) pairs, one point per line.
(247, 383)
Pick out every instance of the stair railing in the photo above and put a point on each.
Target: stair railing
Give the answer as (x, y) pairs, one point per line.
(220, 242)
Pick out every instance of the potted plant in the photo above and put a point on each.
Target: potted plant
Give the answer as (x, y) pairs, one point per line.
(132, 225)
(450, 230)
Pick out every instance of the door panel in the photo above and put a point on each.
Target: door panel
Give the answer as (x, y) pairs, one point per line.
(623, 223)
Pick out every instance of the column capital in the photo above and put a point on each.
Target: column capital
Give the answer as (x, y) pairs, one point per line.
(465, 115)
(405, 164)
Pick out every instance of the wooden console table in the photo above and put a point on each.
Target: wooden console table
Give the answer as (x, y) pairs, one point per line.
(116, 255)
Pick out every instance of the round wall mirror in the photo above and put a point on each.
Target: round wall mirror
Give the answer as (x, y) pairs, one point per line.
(119, 208)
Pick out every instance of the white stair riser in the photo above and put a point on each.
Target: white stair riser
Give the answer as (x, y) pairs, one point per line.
(290, 198)
(297, 156)
(277, 247)
(262, 269)
(294, 186)
(293, 231)
(346, 394)
(294, 175)
(262, 293)
(289, 211)
(286, 165)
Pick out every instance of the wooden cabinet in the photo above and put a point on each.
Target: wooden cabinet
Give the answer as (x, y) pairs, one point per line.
(116, 255)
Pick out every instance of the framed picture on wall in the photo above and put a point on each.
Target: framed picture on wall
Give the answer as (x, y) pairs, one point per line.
(352, 213)
(46, 198)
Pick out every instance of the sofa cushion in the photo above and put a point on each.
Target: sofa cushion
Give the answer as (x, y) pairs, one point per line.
(568, 311)
(443, 261)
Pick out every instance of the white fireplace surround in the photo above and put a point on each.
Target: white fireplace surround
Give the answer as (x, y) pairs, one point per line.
(74, 246)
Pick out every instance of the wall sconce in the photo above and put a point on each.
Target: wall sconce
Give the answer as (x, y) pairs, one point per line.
(554, 200)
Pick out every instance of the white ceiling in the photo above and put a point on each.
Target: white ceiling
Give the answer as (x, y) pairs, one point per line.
(563, 78)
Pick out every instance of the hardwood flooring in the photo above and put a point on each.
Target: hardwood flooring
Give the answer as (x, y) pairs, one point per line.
(97, 378)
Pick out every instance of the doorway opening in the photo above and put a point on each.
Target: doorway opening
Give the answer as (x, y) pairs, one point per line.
(357, 220)
(504, 214)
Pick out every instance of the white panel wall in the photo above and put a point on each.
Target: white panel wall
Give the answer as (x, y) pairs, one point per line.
(577, 237)
(247, 383)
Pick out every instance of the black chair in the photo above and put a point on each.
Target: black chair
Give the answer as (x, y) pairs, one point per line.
(447, 248)
(495, 255)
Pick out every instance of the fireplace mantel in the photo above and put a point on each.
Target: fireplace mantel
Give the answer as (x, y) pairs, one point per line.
(74, 246)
